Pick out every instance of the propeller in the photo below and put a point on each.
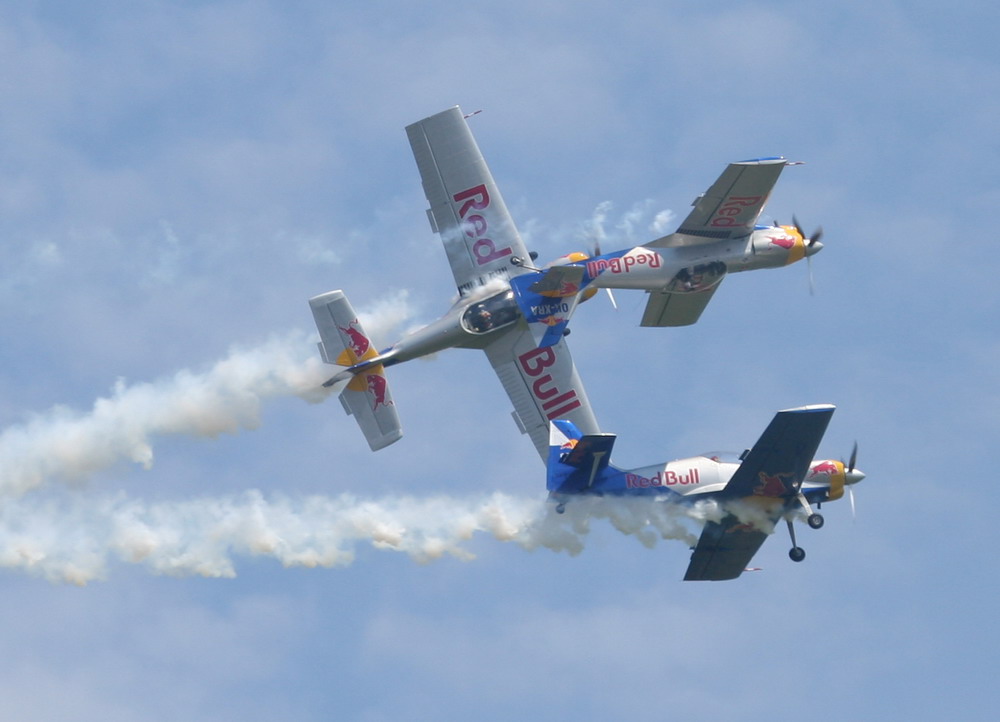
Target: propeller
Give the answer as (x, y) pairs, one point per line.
(813, 246)
(852, 477)
(810, 240)
(597, 252)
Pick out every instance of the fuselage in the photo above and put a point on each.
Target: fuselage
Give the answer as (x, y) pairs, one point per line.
(697, 267)
(479, 315)
(700, 477)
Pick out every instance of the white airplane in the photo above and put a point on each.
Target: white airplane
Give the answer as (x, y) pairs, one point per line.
(778, 478)
(518, 314)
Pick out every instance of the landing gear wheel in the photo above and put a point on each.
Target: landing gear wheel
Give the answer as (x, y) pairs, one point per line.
(560, 508)
(796, 554)
(815, 521)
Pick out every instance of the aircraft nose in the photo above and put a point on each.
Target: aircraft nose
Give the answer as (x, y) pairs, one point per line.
(854, 476)
(812, 250)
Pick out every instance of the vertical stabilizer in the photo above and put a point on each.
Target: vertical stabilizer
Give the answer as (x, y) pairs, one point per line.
(577, 462)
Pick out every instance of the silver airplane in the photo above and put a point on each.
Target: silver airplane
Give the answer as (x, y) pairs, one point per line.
(518, 313)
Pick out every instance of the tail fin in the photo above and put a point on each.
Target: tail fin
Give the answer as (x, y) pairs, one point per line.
(343, 342)
(576, 462)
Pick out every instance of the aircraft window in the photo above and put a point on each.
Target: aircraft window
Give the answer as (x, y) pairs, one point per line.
(493, 313)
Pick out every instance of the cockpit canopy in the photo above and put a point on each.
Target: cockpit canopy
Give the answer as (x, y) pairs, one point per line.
(492, 313)
(723, 457)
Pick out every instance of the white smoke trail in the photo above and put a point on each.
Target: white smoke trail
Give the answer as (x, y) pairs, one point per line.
(626, 230)
(77, 538)
(71, 445)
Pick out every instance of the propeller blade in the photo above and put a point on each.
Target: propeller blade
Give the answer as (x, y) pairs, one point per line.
(795, 222)
(812, 280)
(854, 458)
(611, 297)
(854, 510)
(815, 236)
(812, 240)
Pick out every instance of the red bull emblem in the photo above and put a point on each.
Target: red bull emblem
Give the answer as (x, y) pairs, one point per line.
(786, 242)
(771, 485)
(379, 389)
(356, 341)
(829, 468)
(566, 289)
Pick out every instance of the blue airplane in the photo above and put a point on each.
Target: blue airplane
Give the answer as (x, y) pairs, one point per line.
(778, 478)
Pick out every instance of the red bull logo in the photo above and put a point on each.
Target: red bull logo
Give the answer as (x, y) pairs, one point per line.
(379, 389)
(667, 477)
(566, 288)
(555, 403)
(624, 264)
(772, 485)
(826, 468)
(475, 225)
(786, 242)
(356, 341)
(569, 445)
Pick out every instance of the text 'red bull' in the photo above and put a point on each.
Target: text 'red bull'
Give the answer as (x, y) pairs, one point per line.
(476, 226)
(623, 264)
(662, 478)
(555, 403)
(726, 215)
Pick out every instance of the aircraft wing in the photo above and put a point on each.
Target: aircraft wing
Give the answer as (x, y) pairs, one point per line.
(724, 550)
(729, 209)
(676, 309)
(542, 383)
(466, 208)
(771, 472)
(779, 461)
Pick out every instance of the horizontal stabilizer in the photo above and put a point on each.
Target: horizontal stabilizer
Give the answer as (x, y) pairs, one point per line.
(343, 342)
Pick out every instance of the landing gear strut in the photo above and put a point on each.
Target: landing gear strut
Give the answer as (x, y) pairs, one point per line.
(796, 553)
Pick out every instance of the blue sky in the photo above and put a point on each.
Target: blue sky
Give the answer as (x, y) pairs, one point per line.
(177, 179)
